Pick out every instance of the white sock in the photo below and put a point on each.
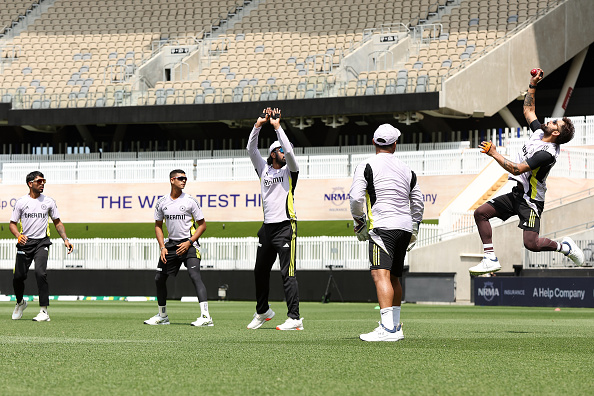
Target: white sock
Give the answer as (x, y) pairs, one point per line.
(387, 318)
(488, 249)
(204, 308)
(396, 315)
(43, 309)
(162, 311)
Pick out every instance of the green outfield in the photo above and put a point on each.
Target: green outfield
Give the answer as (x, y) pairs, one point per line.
(103, 348)
(213, 230)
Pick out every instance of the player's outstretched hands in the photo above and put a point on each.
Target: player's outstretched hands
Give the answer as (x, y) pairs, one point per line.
(69, 246)
(275, 116)
(536, 77)
(360, 228)
(263, 118)
(487, 148)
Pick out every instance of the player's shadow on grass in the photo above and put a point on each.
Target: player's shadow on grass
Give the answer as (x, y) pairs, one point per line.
(519, 332)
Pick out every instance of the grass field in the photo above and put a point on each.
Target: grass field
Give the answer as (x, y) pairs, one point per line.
(214, 229)
(103, 348)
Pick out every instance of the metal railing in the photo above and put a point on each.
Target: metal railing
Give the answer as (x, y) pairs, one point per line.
(313, 253)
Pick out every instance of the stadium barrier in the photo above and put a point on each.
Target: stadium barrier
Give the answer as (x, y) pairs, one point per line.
(313, 253)
(572, 162)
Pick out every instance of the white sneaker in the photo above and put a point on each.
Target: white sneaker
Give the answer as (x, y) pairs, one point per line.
(260, 319)
(291, 324)
(18, 310)
(575, 253)
(383, 334)
(157, 320)
(203, 321)
(488, 264)
(42, 317)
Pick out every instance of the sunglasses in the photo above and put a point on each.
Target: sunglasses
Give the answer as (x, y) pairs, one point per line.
(280, 150)
(181, 178)
(39, 181)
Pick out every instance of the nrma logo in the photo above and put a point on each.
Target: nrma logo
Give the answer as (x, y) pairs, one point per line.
(488, 292)
(337, 197)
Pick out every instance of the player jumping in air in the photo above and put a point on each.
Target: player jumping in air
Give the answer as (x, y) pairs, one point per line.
(530, 171)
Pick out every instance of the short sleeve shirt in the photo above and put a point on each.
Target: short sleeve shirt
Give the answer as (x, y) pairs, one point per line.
(179, 215)
(33, 214)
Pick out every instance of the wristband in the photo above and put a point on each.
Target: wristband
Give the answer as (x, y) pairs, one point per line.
(163, 248)
(531, 86)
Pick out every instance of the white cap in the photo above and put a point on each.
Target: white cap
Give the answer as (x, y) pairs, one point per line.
(386, 135)
(276, 144)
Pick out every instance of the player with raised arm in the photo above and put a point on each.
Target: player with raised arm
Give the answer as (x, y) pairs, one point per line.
(385, 191)
(181, 212)
(530, 171)
(32, 211)
(278, 178)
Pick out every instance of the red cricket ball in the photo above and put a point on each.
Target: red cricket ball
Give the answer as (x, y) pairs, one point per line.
(534, 72)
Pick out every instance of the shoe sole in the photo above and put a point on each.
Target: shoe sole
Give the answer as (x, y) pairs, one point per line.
(203, 325)
(156, 324)
(484, 272)
(47, 320)
(299, 328)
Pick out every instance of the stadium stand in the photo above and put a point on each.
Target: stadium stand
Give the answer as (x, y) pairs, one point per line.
(99, 55)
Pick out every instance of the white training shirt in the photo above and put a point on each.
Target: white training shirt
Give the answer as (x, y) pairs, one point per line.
(179, 215)
(387, 190)
(277, 185)
(541, 157)
(33, 214)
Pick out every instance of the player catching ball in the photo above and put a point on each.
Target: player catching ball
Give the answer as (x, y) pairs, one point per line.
(530, 171)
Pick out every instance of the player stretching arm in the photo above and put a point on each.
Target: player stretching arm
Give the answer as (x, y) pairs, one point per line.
(530, 171)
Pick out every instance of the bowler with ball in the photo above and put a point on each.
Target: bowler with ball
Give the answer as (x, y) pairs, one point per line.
(530, 170)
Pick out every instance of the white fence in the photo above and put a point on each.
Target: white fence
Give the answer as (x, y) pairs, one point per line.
(313, 253)
(572, 162)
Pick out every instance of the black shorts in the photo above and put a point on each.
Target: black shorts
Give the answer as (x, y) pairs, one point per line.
(174, 262)
(514, 203)
(392, 258)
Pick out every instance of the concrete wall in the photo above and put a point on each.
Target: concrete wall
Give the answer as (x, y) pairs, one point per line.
(458, 254)
(503, 74)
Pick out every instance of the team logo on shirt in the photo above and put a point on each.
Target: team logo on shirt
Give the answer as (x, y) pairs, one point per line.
(182, 208)
(175, 217)
(274, 180)
(33, 215)
(43, 207)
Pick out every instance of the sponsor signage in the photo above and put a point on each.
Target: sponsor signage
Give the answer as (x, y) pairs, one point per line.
(315, 199)
(534, 292)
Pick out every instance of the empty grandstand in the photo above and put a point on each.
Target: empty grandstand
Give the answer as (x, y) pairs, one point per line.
(417, 63)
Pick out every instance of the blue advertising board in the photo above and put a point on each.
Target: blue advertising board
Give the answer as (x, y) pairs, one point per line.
(534, 292)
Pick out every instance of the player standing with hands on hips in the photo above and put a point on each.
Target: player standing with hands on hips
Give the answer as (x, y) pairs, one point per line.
(32, 210)
(385, 191)
(530, 171)
(278, 178)
(181, 213)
